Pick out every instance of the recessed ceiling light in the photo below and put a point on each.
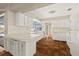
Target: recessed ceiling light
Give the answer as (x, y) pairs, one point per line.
(69, 9)
(52, 11)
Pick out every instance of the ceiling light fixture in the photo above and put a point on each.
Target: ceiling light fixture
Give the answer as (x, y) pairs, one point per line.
(69, 9)
(52, 11)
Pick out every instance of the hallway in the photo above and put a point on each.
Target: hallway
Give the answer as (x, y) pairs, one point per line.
(50, 47)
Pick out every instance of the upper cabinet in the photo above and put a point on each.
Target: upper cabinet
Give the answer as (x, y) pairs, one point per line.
(74, 18)
(21, 19)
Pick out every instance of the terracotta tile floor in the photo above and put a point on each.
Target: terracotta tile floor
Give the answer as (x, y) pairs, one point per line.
(50, 47)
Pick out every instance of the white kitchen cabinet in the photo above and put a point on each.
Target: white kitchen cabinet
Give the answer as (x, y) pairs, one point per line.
(15, 47)
(74, 48)
(21, 19)
(20, 45)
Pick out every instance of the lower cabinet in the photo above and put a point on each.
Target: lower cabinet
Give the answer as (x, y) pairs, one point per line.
(20, 48)
(61, 36)
(74, 48)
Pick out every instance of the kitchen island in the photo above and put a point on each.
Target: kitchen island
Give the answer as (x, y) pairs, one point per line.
(19, 44)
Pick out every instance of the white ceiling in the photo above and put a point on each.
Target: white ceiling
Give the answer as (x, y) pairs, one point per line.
(41, 10)
(22, 6)
(25, 7)
(61, 9)
(3, 5)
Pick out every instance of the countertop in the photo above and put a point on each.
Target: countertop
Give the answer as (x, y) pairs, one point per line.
(22, 36)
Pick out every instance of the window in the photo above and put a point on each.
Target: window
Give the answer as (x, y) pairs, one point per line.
(36, 25)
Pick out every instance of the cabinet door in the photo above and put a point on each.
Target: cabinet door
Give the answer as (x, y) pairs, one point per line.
(6, 42)
(20, 19)
(23, 48)
(26, 20)
(12, 46)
